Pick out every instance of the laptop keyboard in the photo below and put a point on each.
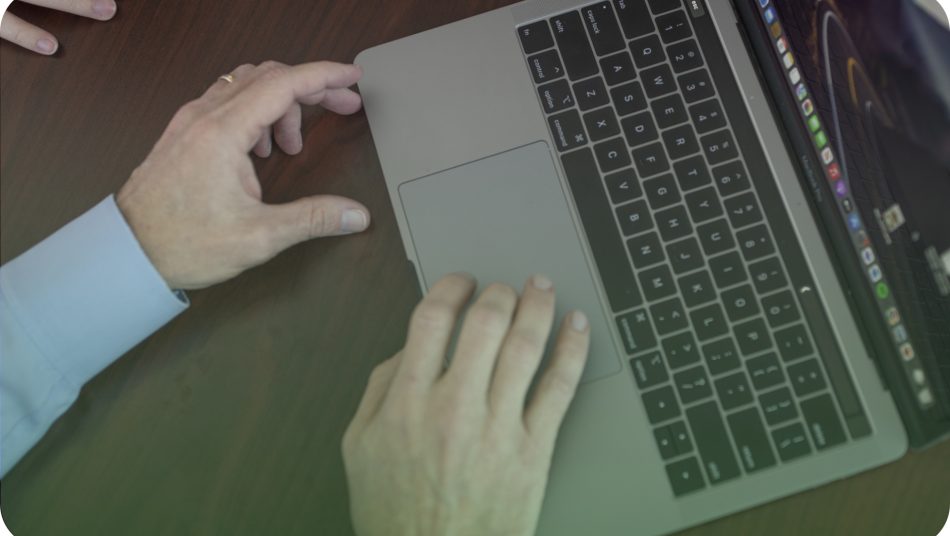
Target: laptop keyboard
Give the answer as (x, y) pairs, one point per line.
(728, 374)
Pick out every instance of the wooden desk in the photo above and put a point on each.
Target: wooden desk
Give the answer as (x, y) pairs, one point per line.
(228, 421)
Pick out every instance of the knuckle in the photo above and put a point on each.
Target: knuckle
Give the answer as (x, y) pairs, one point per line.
(489, 317)
(522, 343)
(321, 221)
(432, 315)
(562, 381)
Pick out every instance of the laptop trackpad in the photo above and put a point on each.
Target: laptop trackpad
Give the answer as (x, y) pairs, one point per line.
(503, 218)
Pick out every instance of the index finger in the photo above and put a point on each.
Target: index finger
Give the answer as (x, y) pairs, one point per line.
(268, 97)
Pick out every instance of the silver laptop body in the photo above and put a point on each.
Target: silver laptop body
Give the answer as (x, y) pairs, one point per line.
(476, 183)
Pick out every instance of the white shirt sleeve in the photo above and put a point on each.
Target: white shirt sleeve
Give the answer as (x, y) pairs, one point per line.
(69, 307)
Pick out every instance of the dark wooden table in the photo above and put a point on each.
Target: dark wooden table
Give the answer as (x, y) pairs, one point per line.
(228, 421)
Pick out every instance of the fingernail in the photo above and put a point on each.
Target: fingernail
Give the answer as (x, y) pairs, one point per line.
(104, 8)
(353, 221)
(578, 321)
(46, 46)
(541, 282)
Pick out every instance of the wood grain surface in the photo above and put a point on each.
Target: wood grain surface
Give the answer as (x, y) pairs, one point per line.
(228, 421)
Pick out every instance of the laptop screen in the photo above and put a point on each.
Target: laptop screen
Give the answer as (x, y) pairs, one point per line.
(872, 84)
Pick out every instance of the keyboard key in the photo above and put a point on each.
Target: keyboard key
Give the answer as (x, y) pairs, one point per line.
(793, 342)
(709, 322)
(685, 476)
(535, 37)
(602, 28)
(661, 404)
(669, 111)
(645, 250)
(612, 155)
(556, 96)
(702, 204)
(668, 316)
(778, 406)
(765, 371)
(658, 81)
(822, 422)
(721, 356)
(680, 142)
(790, 441)
(755, 449)
(618, 68)
(712, 442)
(635, 331)
(661, 191)
(681, 438)
(733, 391)
(685, 56)
(665, 442)
(755, 242)
(707, 116)
(575, 48)
(696, 85)
(634, 218)
(602, 124)
(715, 236)
(634, 17)
(692, 385)
(545, 66)
(673, 223)
(647, 51)
(740, 302)
(685, 255)
(567, 130)
(767, 275)
(623, 186)
(601, 229)
(649, 370)
(639, 129)
(657, 282)
(680, 350)
(697, 288)
(673, 27)
(743, 210)
(628, 98)
(719, 147)
(591, 93)
(780, 308)
(806, 377)
(662, 6)
(727, 269)
(731, 178)
(753, 336)
(692, 172)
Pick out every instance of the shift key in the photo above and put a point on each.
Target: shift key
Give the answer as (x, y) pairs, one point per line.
(712, 441)
(755, 449)
(575, 49)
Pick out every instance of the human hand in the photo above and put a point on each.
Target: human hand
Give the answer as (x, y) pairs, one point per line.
(458, 453)
(195, 202)
(20, 32)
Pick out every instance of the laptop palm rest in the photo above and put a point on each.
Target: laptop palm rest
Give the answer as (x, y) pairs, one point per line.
(503, 218)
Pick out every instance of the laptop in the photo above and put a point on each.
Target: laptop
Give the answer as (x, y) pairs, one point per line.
(745, 197)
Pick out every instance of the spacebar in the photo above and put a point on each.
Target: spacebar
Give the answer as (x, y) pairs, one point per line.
(602, 234)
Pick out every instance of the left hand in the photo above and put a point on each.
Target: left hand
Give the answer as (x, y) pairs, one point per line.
(28, 36)
(195, 202)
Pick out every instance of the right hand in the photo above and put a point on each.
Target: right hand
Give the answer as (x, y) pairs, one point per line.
(459, 452)
(28, 36)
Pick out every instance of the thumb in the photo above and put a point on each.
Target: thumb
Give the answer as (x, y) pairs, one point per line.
(313, 217)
